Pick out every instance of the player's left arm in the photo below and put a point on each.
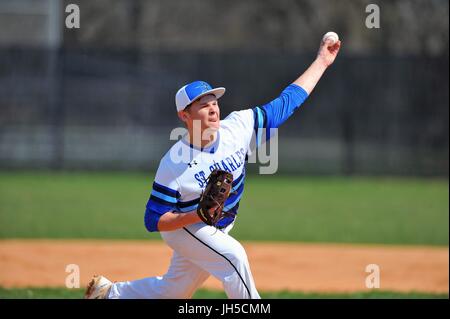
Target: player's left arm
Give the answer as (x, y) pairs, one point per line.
(273, 114)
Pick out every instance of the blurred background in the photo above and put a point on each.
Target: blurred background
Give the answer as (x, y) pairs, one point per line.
(102, 96)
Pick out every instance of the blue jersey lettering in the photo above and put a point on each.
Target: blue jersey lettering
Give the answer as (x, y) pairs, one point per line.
(230, 163)
(225, 167)
(238, 164)
(200, 177)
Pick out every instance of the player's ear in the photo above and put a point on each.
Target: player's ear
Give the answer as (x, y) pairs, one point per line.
(183, 115)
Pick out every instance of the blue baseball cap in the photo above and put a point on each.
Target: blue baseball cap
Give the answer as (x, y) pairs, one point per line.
(194, 90)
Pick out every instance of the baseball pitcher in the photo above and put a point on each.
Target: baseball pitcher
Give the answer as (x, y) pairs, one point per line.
(199, 184)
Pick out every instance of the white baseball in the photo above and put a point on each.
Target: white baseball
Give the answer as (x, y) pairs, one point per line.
(331, 36)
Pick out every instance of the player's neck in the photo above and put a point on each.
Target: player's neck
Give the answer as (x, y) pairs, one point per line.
(201, 140)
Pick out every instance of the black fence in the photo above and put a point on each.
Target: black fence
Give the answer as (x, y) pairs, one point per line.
(112, 109)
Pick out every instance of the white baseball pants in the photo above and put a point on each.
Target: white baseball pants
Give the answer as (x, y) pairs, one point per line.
(199, 250)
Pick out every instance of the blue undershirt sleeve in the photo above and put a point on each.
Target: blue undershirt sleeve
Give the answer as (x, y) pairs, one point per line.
(275, 113)
(279, 110)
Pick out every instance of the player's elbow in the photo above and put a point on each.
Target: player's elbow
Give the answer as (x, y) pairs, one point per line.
(151, 220)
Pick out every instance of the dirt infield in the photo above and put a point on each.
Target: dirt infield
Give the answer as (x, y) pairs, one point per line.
(276, 266)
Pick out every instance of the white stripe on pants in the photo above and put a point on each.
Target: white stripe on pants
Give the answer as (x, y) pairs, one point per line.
(199, 250)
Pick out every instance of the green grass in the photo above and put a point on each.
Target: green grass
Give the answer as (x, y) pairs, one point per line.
(281, 208)
(63, 293)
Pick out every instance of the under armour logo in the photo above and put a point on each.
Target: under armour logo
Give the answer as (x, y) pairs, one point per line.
(192, 163)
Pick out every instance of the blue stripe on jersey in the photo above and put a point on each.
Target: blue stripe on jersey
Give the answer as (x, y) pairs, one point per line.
(225, 222)
(188, 203)
(188, 208)
(230, 206)
(165, 190)
(258, 124)
(259, 118)
(234, 199)
(161, 201)
(164, 197)
(238, 180)
(159, 207)
(229, 219)
(241, 180)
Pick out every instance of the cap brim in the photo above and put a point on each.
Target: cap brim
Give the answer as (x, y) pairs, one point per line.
(217, 92)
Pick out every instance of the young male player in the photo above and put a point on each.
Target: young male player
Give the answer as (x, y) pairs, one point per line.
(200, 250)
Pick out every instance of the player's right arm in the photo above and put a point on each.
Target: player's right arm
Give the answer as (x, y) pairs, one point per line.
(325, 57)
(275, 113)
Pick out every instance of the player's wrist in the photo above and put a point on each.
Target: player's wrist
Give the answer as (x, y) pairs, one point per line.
(322, 62)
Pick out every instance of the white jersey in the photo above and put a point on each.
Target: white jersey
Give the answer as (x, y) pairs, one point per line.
(184, 169)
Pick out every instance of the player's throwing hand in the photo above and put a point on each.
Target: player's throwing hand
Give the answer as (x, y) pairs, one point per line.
(329, 48)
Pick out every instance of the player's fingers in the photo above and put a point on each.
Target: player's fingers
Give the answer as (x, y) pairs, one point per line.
(328, 43)
(335, 47)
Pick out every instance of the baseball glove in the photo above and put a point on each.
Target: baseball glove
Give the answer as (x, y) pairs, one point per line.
(212, 200)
